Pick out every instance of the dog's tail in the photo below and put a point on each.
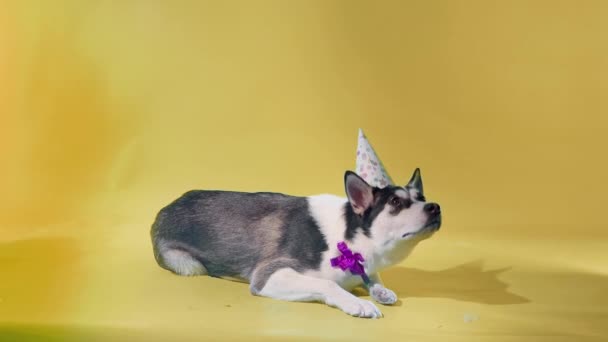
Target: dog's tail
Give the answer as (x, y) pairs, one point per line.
(177, 258)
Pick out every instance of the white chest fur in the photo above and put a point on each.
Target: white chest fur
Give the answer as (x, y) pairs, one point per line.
(328, 211)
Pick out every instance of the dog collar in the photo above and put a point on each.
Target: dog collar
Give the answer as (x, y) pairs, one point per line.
(350, 261)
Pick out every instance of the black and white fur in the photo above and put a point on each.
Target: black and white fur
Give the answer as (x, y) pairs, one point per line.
(282, 245)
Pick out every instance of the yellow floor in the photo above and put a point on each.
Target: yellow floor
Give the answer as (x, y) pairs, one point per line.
(459, 285)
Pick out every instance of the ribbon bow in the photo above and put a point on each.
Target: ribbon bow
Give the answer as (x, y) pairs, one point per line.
(350, 261)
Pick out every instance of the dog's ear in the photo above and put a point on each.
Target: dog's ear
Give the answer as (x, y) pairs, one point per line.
(360, 194)
(416, 182)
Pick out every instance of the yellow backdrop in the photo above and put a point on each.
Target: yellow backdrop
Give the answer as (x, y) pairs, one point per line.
(109, 110)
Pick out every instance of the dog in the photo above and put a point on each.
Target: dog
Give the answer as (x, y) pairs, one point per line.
(283, 245)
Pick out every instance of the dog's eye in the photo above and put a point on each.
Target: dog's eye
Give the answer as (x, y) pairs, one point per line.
(395, 201)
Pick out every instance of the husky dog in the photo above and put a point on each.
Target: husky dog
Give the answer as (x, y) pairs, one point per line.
(282, 245)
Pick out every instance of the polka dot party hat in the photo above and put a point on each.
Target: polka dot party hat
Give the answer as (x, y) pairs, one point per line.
(369, 166)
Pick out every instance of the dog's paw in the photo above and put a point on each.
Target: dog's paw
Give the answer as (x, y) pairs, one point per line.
(382, 295)
(357, 307)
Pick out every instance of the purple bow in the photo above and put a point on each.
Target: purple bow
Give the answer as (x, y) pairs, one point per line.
(349, 261)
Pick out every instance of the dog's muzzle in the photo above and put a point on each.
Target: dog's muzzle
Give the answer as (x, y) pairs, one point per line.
(433, 223)
(433, 210)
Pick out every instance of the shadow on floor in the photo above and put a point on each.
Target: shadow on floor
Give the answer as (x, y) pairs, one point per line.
(40, 277)
(467, 282)
(80, 333)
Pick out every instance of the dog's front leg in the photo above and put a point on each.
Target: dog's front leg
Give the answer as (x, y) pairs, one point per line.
(287, 284)
(380, 293)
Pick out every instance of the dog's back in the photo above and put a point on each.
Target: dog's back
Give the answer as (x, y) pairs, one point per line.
(230, 234)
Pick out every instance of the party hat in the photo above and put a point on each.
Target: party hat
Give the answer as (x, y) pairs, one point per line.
(369, 166)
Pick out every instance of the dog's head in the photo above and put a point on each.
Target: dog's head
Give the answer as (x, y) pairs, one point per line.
(394, 213)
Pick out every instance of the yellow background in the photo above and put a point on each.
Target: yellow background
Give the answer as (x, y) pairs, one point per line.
(109, 110)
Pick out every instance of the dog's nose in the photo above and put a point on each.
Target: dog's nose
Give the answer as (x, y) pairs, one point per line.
(432, 208)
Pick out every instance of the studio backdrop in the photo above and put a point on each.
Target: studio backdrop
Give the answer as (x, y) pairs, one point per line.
(109, 110)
